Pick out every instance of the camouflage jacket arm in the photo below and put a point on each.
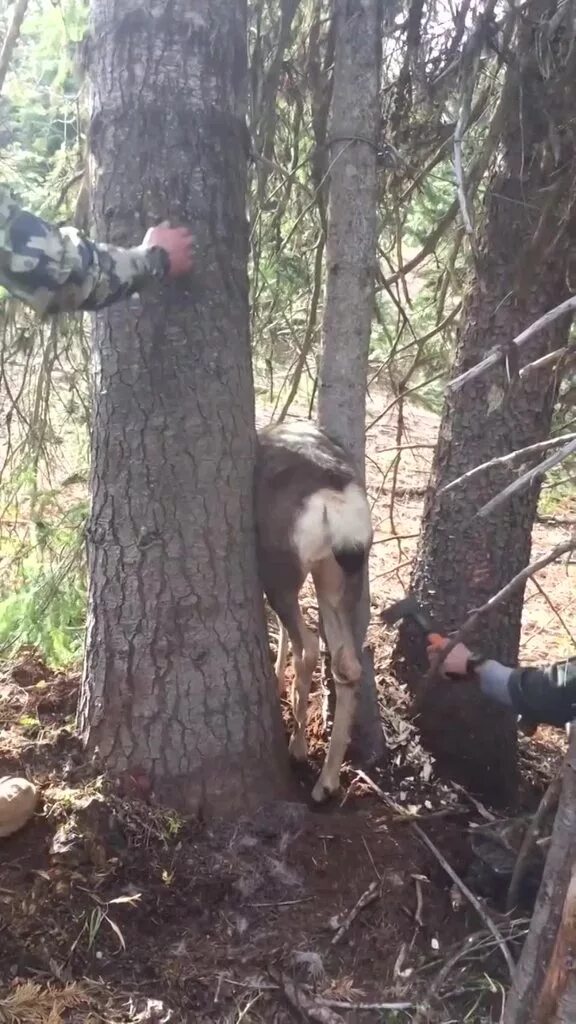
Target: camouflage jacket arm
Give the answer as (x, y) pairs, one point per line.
(53, 269)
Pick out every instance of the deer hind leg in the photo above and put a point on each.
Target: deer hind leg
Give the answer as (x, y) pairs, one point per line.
(281, 656)
(305, 651)
(331, 589)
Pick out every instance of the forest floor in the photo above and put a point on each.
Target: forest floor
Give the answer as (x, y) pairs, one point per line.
(115, 911)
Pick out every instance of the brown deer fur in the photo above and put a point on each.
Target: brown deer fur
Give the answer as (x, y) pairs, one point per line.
(312, 516)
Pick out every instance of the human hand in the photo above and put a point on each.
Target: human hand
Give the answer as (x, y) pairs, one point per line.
(176, 242)
(455, 662)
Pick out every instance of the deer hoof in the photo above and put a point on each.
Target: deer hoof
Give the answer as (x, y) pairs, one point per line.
(298, 747)
(323, 792)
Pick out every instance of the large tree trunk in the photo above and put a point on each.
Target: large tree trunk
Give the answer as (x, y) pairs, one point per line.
(520, 273)
(544, 989)
(177, 688)
(350, 258)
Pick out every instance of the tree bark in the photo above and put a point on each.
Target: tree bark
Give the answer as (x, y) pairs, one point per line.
(178, 690)
(350, 259)
(544, 988)
(11, 38)
(521, 270)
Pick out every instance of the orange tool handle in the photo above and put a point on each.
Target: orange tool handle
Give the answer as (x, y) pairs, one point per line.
(436, 641)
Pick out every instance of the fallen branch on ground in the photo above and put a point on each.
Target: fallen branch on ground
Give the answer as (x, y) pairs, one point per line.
(369, 896)
(480, 910)
(498, 354)
(309, 1008)
(320, 1001)
(340, 1004)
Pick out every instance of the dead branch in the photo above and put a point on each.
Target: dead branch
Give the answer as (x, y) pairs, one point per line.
(406, 448)
(340, 1004)
(11, 38)
(547, 804)
(480, 910)
(400, 398)
(401, 812)
(310, 332)
(502, 595)
(548, 360)
(307, 1007)
(369, 896)
(468, 82)
(482, 811)
(423, 1012)
(528, 478)
(497, 355)
(556, 611)
(502, 460)
(398, 536)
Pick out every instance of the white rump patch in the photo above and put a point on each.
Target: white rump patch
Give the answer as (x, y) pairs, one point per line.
(332, 520)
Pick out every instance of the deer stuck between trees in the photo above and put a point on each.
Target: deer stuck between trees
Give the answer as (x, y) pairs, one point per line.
(312, 516)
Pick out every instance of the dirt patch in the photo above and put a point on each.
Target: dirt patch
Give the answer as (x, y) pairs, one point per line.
(112, 909)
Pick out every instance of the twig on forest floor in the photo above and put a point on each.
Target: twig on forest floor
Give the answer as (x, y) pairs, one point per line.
(482, 811)
(371, 894)
(308, 1008)
(341, 1004)
(320, 1001)
(419, 900)
(444, 812)
(422, 1014)
(398, 810)
(480, 910)
(371, 859)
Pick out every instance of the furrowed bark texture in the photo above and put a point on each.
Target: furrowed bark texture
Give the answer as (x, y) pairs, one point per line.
(524, 253)
(177, 690)
(350, 261)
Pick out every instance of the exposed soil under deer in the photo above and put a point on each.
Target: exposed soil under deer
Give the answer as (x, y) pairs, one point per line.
(113, 910)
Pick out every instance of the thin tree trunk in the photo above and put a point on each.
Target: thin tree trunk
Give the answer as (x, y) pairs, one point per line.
(544, 989)
(177, 689)
(524, 249)
(11, 38)
(350, 257)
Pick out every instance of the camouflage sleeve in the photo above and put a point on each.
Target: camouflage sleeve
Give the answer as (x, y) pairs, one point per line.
(53, 269)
